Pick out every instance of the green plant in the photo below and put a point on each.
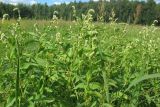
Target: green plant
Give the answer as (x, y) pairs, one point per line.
(80, 64)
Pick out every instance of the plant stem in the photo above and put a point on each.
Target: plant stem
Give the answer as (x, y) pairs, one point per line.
(106, 87)
(17, 76)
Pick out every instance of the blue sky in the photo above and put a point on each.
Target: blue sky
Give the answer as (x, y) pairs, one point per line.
(49, 2)
(59, 1)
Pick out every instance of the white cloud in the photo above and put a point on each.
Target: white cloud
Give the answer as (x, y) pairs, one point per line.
(61, 1)
(33, 2)
(57, 3)
(15, 2)
(98, 0)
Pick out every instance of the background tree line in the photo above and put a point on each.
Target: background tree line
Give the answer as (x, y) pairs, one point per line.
(128, 11)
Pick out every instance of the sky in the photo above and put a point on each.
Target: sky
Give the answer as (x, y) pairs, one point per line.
(49, 2)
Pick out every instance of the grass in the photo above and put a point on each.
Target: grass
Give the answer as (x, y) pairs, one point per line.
(29, 24)
(79, 64)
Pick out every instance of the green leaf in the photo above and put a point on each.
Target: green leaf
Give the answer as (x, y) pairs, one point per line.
(107, 105)
(80, 86)
(94, 104)
(112, 83)
(42, 62)
(2, 49)
(140, 79)
(32, 33)
(32, 45)
(31, 104)
(95, 85)
(27, 65)
(95, 93)
(10, 102)
(48, 89)
(1, 91)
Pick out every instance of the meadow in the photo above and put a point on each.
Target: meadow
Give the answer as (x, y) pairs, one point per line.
(79, 64)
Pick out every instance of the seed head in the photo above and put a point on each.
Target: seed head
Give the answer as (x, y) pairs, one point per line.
(155, 21)
(5, 16)
(55, 12)
(73, 7)
(91, 11)
(58, 37)
(15, 9)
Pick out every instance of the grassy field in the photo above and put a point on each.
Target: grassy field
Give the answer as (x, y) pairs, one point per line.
(79, 64)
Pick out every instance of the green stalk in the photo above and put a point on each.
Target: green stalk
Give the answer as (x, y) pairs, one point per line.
(106, 86)
(17, 76)
(105, 75)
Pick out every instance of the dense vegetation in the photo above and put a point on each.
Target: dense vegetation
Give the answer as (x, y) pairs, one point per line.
(130, 11)
(83, 64)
